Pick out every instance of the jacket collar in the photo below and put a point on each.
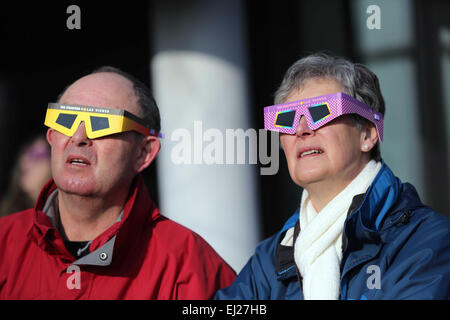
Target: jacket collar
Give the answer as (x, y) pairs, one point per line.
(379, 198)
(385, 197)
(138, 211)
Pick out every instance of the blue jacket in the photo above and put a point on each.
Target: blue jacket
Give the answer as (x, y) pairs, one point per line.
(394, 247)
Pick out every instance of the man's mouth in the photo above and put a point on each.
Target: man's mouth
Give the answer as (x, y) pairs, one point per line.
(78, 161)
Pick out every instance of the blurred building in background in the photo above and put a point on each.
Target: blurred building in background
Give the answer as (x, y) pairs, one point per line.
(213, 65)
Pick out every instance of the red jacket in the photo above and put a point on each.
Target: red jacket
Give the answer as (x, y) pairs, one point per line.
(142, 256)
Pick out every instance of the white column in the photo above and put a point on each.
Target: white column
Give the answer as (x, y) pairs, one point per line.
(199, 78)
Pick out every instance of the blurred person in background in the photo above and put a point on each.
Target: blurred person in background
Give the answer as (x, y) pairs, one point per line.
(359, 232)
(94, 232)
(30, 172)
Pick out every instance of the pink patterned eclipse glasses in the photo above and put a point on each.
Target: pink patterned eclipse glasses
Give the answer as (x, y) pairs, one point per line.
(318, 111)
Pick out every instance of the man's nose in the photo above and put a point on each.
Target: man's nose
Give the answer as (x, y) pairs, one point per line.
(303, 129)
(80, 137)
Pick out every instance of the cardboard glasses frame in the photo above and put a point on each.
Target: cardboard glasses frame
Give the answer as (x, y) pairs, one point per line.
(318, 111)
(99, 121)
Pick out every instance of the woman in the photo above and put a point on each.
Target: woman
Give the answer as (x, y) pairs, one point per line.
(30, 173)
(359, 233)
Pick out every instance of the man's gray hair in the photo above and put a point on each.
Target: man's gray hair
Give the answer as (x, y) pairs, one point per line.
(356, 80)
(149, 109)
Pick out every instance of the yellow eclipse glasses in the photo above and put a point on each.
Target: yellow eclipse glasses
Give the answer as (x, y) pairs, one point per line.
(98, 121)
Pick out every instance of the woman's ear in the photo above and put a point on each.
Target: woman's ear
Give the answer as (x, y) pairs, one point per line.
(148, 148)
(369, 137)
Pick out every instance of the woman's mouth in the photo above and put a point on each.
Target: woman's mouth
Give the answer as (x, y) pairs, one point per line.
(310, 152)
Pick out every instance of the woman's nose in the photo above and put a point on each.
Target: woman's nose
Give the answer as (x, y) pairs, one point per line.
(302, 128)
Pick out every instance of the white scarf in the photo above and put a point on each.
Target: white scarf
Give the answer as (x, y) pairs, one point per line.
(318, 249)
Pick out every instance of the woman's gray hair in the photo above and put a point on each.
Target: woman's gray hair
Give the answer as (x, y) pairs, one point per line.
(356, 80)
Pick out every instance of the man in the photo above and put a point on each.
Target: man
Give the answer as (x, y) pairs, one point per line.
(94, 232)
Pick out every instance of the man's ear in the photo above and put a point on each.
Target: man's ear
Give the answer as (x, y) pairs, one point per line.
(49, 136)
(148, 148)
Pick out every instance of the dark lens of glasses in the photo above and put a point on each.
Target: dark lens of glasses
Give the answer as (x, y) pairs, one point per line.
(99, 123)
(319, 112)
(66, 120)
(285, 119)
